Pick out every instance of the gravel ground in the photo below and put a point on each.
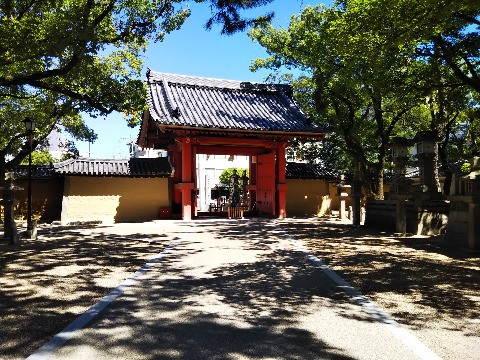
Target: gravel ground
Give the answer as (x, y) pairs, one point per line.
(430, 288)
(47, 283)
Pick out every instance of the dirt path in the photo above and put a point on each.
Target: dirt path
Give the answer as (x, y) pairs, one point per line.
(45, 284)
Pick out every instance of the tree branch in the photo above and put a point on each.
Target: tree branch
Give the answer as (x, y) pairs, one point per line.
(22, 13)
(447, 56)
(104, 13)
(137, 25)
(25, 149)
(20, 97)
(21, 79)
(467, 18)
(74, 95)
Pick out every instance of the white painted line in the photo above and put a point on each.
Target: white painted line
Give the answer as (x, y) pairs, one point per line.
(401, 333)
(63, 336)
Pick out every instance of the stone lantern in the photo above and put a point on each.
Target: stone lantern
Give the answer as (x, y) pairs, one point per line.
(399, 148)
(425, 145)
(8, 193)
(463, 222)
(401, 189)
(356, 195)
(343, 195)
(472, 180)
(244, 183)
(234, 181)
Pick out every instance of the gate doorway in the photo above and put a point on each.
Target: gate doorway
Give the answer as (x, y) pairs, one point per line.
(209, 169)
(266, 164)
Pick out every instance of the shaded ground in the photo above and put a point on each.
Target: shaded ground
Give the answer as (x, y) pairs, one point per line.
(431, 288)
(233, 290)
(45, 284)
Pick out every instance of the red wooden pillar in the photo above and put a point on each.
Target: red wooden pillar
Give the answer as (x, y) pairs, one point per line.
(176, 158)
(281, 186)
(186, 186)
(252, 187)
(195, 182)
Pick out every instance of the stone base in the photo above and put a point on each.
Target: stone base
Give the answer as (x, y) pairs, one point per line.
(31, 234)
(427, 218)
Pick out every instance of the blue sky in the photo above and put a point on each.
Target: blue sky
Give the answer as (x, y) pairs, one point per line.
(192, 51)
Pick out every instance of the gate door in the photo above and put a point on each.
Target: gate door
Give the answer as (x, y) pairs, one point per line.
(266, 183)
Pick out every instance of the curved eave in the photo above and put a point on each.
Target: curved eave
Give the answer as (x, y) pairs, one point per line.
(284, 133)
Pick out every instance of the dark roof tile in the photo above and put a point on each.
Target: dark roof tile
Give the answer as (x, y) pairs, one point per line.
(310, 171)
(38, 171)
(189, 101)
(135, 167)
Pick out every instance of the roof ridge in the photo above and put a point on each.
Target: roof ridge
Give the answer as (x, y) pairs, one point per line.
(101, 159)
(208, 82)
(159, 75)
(64, 162)
(115, 167)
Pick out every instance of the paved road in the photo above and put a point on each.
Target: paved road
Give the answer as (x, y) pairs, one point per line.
(233, 290)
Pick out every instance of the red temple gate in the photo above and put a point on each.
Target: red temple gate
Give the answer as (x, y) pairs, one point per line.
(190, 115)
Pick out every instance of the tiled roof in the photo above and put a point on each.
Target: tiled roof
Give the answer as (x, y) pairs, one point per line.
(141, 167)
(196, 102)
(310, 171)
(38, 171)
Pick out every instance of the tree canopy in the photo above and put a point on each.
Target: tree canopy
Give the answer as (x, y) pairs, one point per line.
(225, 176)
(377, 69)
(61, 58)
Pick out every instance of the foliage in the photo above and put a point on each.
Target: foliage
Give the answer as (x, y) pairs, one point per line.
(225, 176)
(431, 29)
(61, 58)
(42, 157)
(362, 101)
(369, 79)
(228, 16)
(466, 168)
(70, 152)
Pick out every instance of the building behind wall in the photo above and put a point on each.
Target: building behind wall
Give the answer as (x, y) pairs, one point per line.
(209, 169)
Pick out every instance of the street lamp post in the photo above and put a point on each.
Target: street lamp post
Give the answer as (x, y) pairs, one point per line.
(30, 127)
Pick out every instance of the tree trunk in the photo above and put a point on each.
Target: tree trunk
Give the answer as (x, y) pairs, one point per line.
(445, 168)
(3, 168)
(380, 189)
(435, 168)
(2, 180)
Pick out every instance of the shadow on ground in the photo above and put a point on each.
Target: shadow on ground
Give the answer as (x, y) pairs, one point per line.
(440, 280)
(46, 283)
(235, 310)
